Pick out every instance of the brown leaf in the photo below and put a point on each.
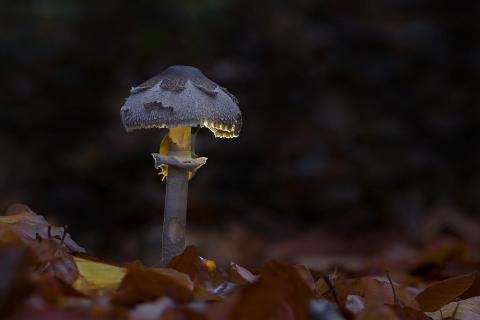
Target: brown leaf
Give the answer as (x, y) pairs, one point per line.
(468, 309)
(183, 313)
(440, 293)
(29, 225)
(280, 293)
(15, 282)
(306, 275)
(294, 288)
(54, 259)
(407, 313)
(374, 291)
(202, 272)
(263, 300)
(147, 284)
(321, 288)
(52, 290)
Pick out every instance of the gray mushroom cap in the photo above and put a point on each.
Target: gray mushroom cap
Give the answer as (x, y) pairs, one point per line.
(181, 96)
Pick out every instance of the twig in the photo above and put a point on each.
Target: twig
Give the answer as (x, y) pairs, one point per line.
(455, 311)
(393, 287)
(332, 289)
(64, 234)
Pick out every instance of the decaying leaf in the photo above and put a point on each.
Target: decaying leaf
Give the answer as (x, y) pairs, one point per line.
(96, 277)
(142, 284)
(468, 309)
(15, 281)
(374, 291)
(440, 293)
(29, 226)
(54, 259)
(407, 313)
(199, 270)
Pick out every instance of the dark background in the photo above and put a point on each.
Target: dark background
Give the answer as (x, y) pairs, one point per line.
(358, 115)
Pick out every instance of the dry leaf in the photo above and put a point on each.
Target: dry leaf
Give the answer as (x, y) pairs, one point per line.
(468, 309)
(142, 284)
(407, 313)
(440, 293)
(199, 270)
(29, 225)
(15, 281)
(54, 259)
(95, 277)
(374, 291)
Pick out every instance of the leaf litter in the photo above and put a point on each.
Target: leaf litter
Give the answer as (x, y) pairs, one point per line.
(44, 274)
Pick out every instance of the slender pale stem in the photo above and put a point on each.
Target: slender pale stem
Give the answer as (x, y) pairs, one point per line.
(175, 214)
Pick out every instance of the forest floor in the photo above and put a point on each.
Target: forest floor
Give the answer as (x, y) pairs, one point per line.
(44, 274)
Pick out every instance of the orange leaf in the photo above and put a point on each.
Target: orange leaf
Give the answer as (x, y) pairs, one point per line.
(142, 284)
(440, 293)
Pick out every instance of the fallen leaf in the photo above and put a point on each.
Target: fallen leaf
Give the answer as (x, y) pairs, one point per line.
(201, 272)
(321, 288)
(15, 281)
(54, 259)
(407, 313)
(29, 225)
(294, 288)
(374, 291)
(440, 293)
(306, 275)
(96, 277)
(468, 309)
(142, 284)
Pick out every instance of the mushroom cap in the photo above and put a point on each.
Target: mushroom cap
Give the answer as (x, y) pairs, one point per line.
(182, 96)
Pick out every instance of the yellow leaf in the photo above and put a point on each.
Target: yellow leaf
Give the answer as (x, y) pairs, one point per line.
(95, 277)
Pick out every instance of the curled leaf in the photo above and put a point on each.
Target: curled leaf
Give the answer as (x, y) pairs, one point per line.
(29, 226)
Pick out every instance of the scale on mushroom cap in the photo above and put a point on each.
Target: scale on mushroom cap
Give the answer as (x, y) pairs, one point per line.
(179, 98)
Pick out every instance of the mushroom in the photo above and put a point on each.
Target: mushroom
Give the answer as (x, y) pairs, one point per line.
(179, 98)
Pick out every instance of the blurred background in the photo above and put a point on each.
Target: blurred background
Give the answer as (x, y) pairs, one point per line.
(360, 118)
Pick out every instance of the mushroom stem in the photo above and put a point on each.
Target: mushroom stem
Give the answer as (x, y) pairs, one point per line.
(175, 214)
